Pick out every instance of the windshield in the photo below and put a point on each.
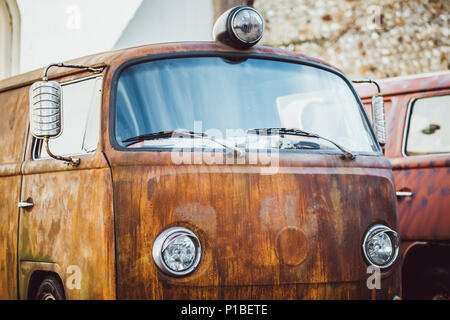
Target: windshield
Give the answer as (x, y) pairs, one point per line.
(225, 98)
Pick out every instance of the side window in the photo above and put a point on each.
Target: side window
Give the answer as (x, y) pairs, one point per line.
(81, 120)
(429, 126)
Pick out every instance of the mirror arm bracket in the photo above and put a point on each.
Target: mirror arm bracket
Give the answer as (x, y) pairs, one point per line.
(64, 65)
(69, 160)
(369, 81)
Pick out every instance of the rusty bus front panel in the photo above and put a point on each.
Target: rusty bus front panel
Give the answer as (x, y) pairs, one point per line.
(290, 235)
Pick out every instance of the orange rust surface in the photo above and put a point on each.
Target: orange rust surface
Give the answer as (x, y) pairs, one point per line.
(71, 222)
(425, 215)
(240, 215)
(13, 106)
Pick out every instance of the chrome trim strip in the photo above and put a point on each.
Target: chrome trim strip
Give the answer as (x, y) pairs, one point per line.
(404, 193)
(405, 129)
(25, 204)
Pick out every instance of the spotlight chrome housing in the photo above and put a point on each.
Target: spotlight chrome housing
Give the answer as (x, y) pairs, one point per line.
(239, 27)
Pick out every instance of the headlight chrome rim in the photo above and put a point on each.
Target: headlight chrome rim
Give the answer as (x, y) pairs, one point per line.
(394, 238)
(163, 241)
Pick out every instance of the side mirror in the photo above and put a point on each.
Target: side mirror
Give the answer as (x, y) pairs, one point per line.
(45, 109)
(46, 115)
(378, 118)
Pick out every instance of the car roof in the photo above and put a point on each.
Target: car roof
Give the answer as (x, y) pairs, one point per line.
(117, 57)
(406, 84)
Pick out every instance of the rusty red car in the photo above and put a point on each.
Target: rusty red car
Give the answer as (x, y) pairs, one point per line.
(417, 111)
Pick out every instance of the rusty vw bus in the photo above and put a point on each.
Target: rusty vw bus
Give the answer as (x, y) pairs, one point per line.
(418, 146)
(212, 170)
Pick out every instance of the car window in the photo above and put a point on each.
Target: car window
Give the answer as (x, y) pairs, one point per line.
(225, 98)
(81, 119)
(429, 126)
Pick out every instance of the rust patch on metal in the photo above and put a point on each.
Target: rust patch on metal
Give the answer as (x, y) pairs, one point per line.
(291, 246)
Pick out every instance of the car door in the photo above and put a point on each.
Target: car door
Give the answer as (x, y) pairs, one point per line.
(68, 230)
(422, 176)
(13, 133)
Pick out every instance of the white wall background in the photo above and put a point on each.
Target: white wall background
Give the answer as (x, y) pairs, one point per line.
(9, 38)
(59, 30)
(169, 20)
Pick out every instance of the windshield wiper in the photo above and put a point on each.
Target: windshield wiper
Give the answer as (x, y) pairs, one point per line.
(181, 133)
(297, 132)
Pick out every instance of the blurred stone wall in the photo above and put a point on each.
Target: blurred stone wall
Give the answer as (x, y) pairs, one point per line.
(363, 38)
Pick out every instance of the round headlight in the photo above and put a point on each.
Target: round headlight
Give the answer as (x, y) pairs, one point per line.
(240, 27)
(177, 251)
(381, 246)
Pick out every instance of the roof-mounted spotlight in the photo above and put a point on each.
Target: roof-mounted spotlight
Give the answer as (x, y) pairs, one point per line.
(240, 27)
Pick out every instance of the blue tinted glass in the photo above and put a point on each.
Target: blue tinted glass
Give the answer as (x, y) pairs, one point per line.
(226, 95)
